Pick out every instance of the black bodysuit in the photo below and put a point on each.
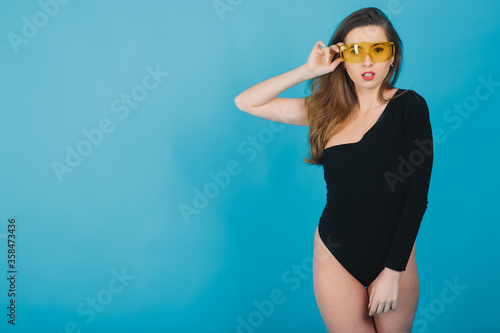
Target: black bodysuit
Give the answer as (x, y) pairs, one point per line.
(377, 190)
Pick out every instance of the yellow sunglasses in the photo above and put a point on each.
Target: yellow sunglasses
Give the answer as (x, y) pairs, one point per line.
(356, 52)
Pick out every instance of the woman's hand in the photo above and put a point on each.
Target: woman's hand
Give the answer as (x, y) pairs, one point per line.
(320, 59)
(384, 292)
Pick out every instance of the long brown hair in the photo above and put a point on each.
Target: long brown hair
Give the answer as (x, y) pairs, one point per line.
(333, 95)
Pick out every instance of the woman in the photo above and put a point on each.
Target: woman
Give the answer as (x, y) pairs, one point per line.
(375, 144)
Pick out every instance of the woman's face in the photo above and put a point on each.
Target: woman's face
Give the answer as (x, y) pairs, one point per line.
(380, 69)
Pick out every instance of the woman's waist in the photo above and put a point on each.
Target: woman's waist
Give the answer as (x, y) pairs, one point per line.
(362, 211)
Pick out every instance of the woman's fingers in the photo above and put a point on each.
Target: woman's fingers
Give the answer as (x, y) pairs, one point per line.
(387, 307)
(376, 308)
(327, 54)
(335, 47)
(315, 63)
(317, 47)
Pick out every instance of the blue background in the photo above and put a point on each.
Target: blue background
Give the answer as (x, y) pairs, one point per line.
(120, 209)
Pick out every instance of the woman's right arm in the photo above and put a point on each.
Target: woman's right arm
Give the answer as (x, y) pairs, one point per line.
(260, 100)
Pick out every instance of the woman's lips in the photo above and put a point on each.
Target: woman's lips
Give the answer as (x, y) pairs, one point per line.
(368, 78)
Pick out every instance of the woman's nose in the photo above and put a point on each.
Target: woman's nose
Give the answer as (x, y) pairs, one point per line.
(368, 59)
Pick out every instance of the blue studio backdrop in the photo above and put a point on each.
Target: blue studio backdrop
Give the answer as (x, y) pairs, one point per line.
(142, 200)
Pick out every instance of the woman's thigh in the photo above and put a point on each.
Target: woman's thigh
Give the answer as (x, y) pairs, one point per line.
(401, 320)
(341, 299)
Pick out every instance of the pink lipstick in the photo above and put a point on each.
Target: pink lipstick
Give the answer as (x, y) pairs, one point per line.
(368, 77)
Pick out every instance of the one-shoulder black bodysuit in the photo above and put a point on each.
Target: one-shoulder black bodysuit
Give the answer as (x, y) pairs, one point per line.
(377, 190)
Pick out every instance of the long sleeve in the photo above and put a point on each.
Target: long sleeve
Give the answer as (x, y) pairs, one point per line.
(418, 151)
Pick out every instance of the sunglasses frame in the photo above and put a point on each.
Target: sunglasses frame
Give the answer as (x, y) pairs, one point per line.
(343, 47)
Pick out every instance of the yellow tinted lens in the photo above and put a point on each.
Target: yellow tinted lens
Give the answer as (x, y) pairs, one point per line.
(354, 53)
(378, 51)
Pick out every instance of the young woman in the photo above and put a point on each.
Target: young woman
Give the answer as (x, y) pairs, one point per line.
(375, 144)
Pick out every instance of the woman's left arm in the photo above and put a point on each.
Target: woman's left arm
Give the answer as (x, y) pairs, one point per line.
(418, 150)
